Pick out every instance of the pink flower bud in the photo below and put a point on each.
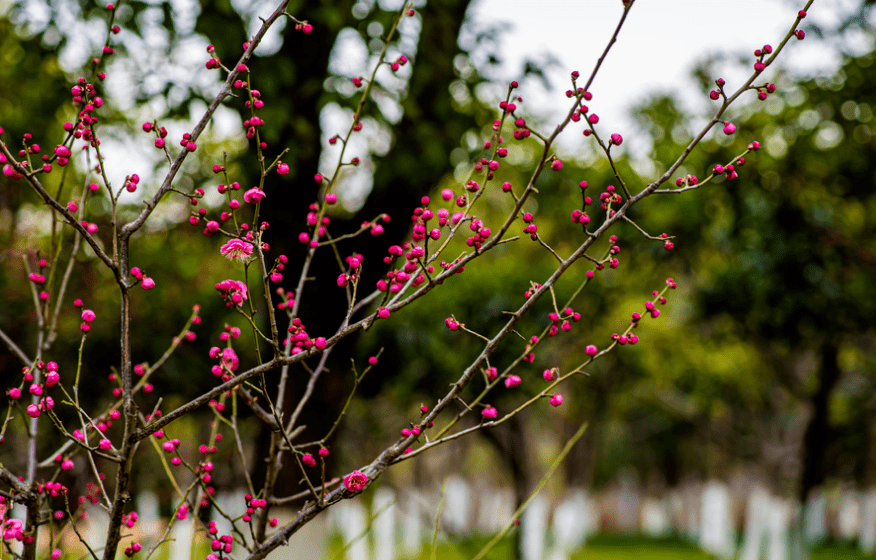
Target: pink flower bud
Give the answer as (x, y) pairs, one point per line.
(355, 481)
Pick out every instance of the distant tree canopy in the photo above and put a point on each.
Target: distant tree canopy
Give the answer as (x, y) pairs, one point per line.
(765, 353)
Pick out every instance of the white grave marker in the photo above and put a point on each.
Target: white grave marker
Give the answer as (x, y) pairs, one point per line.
(494, 510)
(655, 520)
(351, 522)
(149, 517)
(815, 517)
(412, 525)
(716, 529)
(457, 501)
(628, 505)
(533, 524)
(849, 515)
(182, 533)
(756, 523)
(383, 513)
(867, 541)
(570, 525)
(777, 520)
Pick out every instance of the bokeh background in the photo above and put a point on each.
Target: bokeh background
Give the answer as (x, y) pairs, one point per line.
(760, 371)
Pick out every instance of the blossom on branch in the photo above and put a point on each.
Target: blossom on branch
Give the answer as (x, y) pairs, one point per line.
(356, 481)
(237, 249)
(233, 291)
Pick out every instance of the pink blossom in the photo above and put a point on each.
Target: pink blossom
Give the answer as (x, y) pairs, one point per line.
(13, 530)
(232, 290)
(355, 481)
(237, 249)
(557, 399)
(253, 195)
(489, 413)
(229, 359)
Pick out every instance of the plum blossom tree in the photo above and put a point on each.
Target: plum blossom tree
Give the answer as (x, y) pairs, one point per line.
(447, 235)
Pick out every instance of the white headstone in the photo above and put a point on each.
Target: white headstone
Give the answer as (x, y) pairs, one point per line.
(149, 517)
(778, 517)
(849, 515)
(533, 526)
(232, 504)
(96, 527)
(815, 517)
(756, 523)
(457, 501)
(628, 505)
(495, 509)
(716, 529)
(308, 543)
(182, 533)
(351, 522)
(655, 519)
(692, 505)
(412, 525)
(592, 513)
(570, 525)
(383, 512)
(867, 541)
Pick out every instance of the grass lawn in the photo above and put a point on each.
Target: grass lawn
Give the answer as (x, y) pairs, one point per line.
(618, 547)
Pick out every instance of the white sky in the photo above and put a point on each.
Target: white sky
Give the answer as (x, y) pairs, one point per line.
(661, 41)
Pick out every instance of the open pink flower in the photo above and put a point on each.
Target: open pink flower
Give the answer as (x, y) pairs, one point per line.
(233, 291)
(253, 195)
(355, 481)
(237, 249)
(229, 359)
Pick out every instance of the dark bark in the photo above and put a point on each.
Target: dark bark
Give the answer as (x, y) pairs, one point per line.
(430, 129)
(819, 433)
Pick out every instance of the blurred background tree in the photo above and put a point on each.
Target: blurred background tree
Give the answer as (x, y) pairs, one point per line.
(764, 360)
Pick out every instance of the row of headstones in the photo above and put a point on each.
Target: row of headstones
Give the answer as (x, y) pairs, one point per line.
(400, 525)
(779, 529)
(774, 527)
